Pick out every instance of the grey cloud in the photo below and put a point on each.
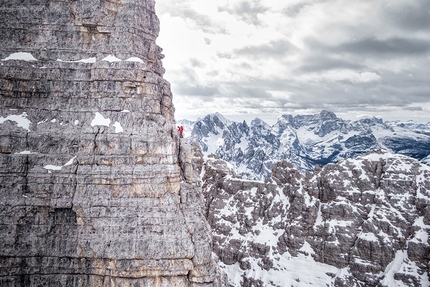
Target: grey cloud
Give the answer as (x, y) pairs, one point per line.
(247, 90)
(196, 90)
(196, 63)
(413, 108)
(294, 10)
(373, 45)
(272, 49)
(202, 22)
(247, 11)
(318, 63)
(395, 90)
(412, 16)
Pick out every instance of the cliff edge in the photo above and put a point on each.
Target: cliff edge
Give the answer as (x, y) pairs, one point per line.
(92, 191)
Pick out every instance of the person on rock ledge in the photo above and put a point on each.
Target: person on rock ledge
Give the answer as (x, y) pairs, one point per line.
(181, 130)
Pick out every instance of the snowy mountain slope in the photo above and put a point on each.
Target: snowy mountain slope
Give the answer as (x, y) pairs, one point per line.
(303, 140)
(361, 222)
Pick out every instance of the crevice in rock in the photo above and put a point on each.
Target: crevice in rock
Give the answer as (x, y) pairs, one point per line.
(379, 171)
(75, 183)
(25, 188)
(180, 162)
(95, 145)
(208, 208)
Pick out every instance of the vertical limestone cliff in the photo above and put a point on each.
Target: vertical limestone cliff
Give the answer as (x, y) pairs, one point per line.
(92, 192)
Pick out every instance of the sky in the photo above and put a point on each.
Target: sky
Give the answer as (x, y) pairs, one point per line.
(261, 58)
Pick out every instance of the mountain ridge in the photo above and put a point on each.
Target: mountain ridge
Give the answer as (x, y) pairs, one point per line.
(304, 140)
(360, 222)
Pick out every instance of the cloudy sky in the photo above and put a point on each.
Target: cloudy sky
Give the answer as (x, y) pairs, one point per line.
(249, 58)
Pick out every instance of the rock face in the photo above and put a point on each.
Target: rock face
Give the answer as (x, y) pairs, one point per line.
(361, 222)
(304, 140)
(92, 190)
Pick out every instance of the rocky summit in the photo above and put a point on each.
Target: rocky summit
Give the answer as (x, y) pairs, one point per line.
(360, 222)
(96, 188)
(304, 140)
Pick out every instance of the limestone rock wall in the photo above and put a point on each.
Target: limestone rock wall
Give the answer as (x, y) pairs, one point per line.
(360, 222)
(90, 181)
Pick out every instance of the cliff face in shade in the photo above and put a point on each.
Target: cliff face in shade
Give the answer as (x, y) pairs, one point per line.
(92, 191)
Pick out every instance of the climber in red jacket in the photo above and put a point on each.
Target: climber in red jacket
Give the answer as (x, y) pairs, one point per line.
(180, 130)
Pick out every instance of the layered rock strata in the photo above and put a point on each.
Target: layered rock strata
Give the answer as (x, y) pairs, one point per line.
(92, 191)
(361, 222)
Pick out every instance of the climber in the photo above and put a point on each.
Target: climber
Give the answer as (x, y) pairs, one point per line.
(180, 130)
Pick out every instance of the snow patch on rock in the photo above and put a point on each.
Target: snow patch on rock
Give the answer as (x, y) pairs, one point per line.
(99, 120)
(24, 56)
(21, 120)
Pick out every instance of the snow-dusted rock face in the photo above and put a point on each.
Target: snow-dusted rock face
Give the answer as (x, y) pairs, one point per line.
(304, 140)
(92, 190)
(361, 222)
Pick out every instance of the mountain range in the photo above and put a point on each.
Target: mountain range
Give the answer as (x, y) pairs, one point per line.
(306, 141)
(360, 222)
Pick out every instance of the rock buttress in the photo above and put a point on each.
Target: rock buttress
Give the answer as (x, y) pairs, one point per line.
(90, 179)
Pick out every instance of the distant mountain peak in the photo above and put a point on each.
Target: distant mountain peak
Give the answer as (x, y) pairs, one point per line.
(324, 114)
(304, 140)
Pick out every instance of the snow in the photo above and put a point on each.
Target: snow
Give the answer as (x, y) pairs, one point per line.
(26, 152)
(20, 56)
(421, 236)
(361, 261)
(228, 210)
(134, 59)
(368, 237)
(213, 142)
(266, 234)
(50, 167)
(89, 60)
(243, 145)
(307, 248)
(21, 120)
(372, 212)
(99, 120)
(385, 237)
(420, 222)
(319, 219)
(309, 201)
(401, 264)
(338, 223)
(125, 111)
(70, 162)
(111, 59)
(287, 271)
(118, 127)
(76, 122)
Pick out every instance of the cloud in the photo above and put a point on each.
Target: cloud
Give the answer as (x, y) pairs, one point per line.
(408, 15)
(276, 48)
(259, 56)
(376, 47)
(201, 91)
(247, 11)
(320, 63)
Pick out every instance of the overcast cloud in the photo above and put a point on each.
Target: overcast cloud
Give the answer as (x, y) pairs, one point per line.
(267, 58)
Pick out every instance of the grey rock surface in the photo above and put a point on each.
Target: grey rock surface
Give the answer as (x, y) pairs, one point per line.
(92, 190)
(361, 222)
